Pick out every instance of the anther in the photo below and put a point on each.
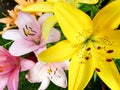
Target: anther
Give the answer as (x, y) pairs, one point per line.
(97, 69)
(108, 60)
(110, 51)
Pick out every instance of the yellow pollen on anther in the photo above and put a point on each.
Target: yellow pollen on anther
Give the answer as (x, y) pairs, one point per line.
(27, 32)
(49, 71)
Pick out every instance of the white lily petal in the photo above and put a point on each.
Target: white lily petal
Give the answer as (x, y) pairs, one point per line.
(37, 73)
(44, 84)
(58, 76)
(64, 65)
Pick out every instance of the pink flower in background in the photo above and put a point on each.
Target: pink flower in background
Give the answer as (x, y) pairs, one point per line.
(46, 72)
(28, 37)
(10, 67)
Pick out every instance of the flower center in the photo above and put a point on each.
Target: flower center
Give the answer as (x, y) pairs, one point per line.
(49, 71)
(28, 31)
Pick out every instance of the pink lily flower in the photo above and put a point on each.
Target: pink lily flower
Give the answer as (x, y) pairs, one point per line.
(46, 72)
(10, 66)
(28, 37)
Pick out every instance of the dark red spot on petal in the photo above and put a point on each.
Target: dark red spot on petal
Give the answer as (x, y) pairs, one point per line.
(86, 58)
(98, 47)
(88, 49)
(97, 69)
(108, 60)
(110, 51)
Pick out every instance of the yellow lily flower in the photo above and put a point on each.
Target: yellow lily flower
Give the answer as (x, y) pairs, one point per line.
(47, 6)
(91, 45)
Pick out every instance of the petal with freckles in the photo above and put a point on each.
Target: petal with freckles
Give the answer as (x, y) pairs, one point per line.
(109, 43)
(12, 35)
(58, 76)
(26, 64)
(54, 36)
(12, 83)
(59, 52)
(40, 6)
(76, 26)
(3, 81)
(80, 72)
(107, 71)
(22, 47)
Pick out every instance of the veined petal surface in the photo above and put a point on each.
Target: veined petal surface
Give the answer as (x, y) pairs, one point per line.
(76, 26)
(81, 70)
(47, 26)
(12, 35)
(107, 70)
(108, 17)
(59, 52)
(87, 1)
(39, 7)
(108, 43)
(56, 0)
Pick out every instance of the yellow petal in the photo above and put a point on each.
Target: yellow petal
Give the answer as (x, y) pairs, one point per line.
(75, 24)
(59, 52)
(109, 43)
(39, 7)
(87, 1)
(107, 71)
(108, 17)
(56, 0)
(47, 26)
(80, 72)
